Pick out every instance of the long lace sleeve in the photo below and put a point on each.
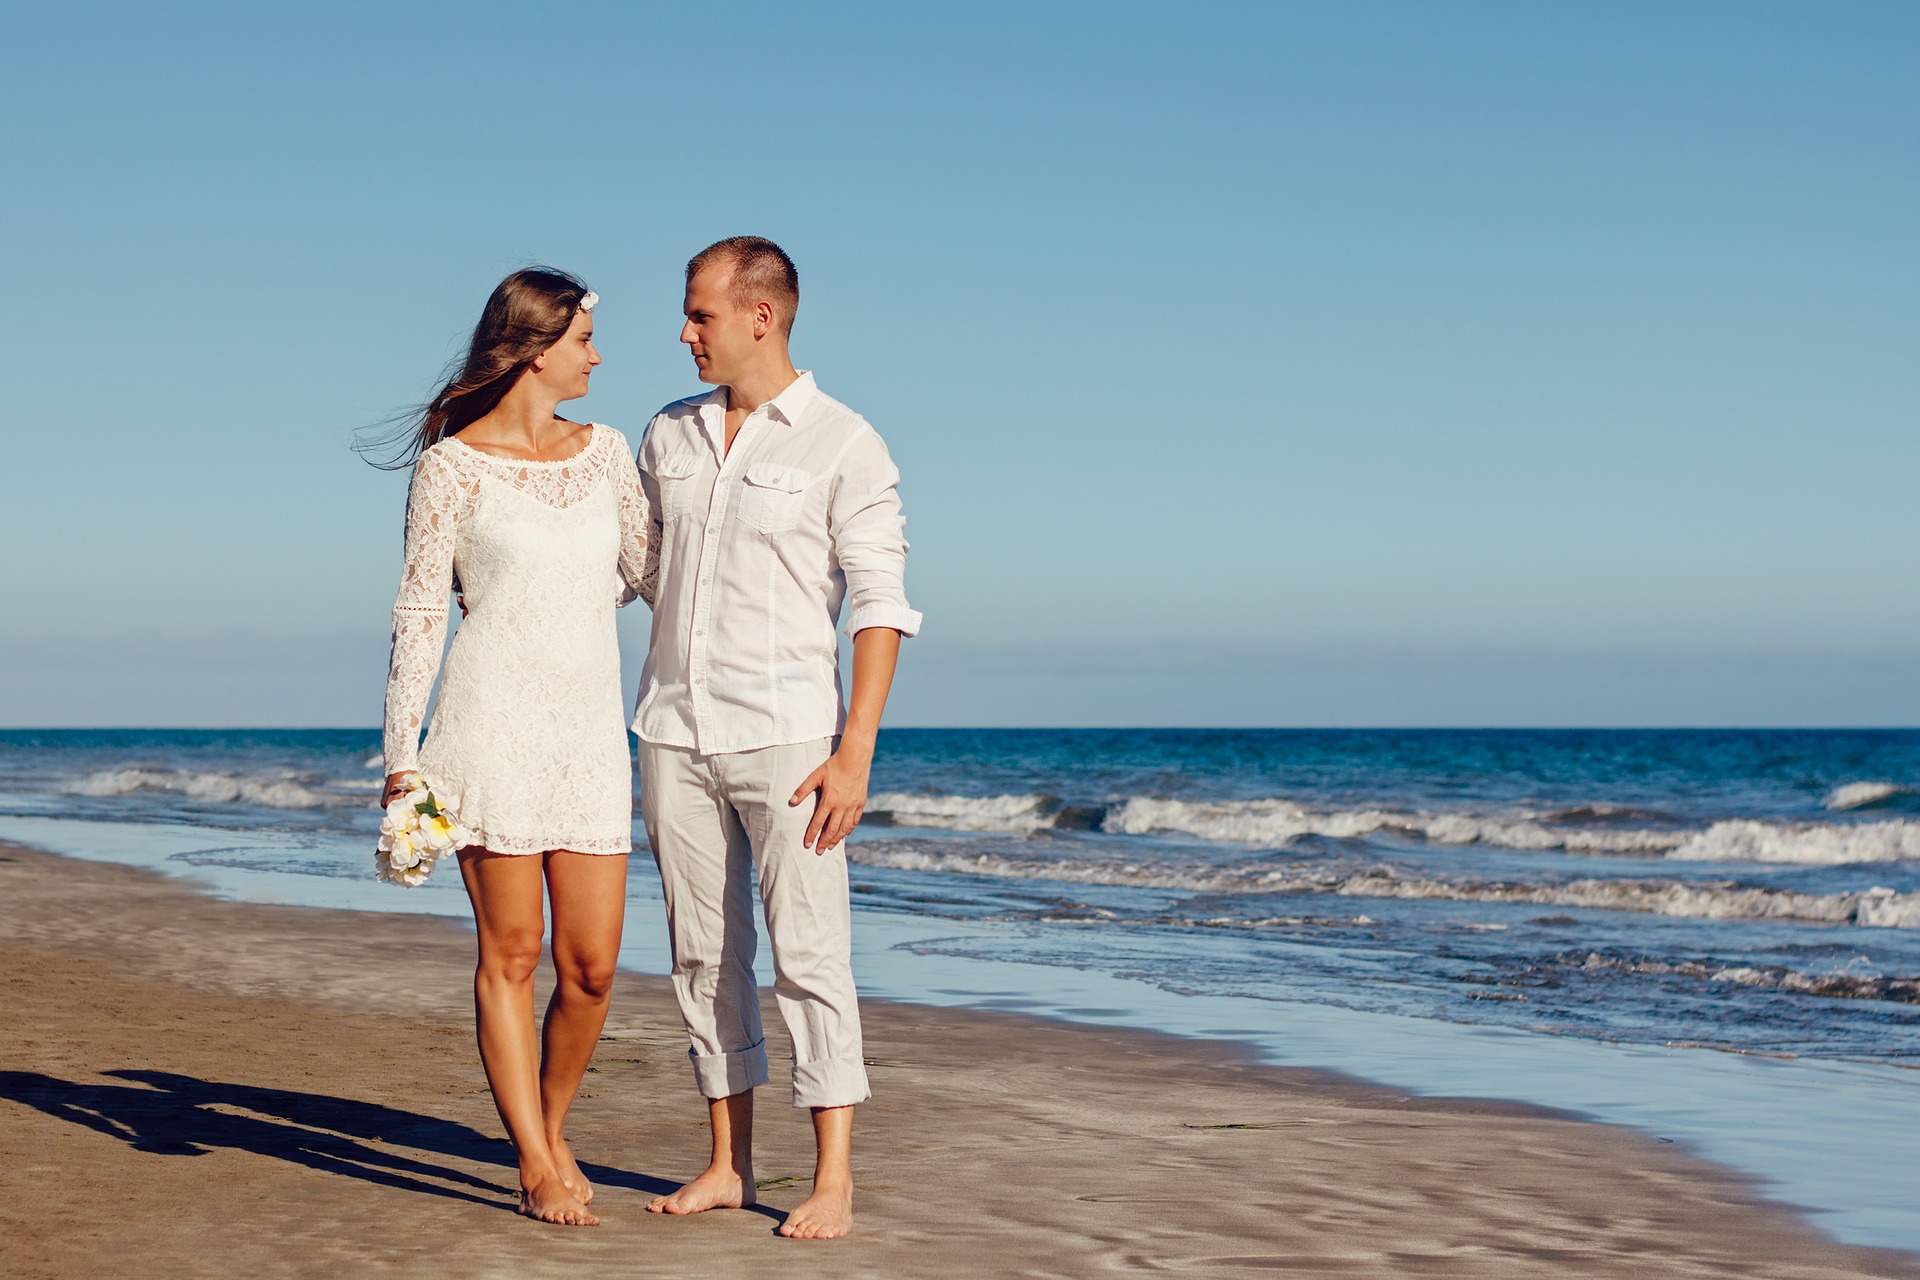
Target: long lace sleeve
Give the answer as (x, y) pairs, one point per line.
(434, 504)
(639, 534)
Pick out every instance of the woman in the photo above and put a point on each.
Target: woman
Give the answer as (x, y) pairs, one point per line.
(542, 525)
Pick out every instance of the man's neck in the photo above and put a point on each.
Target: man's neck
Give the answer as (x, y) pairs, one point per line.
(747, 393)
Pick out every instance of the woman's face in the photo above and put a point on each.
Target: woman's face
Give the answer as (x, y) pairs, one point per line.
(564, 367)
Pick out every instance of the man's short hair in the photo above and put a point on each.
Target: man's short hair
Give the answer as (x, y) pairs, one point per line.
(761, 270)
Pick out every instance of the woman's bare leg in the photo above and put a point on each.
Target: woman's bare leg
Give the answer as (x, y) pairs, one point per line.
(589, 896)
(506, 894)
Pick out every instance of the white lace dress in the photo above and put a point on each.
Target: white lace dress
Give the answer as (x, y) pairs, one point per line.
(529, 734)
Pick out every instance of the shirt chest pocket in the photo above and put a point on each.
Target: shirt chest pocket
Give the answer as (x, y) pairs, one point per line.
(771, 496)
(678, 477)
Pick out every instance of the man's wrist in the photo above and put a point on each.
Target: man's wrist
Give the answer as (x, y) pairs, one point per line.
(857, 740)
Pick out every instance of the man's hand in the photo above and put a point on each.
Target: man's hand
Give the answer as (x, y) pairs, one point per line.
(842, 784)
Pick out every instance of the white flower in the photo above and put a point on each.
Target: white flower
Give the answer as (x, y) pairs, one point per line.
(410, 841)
(589, 301)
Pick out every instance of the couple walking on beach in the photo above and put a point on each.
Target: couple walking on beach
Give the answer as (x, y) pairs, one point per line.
(751, 516)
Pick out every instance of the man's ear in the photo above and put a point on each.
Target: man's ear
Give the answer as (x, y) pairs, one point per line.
(762, 319)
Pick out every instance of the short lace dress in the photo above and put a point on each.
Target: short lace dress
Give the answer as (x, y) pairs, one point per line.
(528, 738)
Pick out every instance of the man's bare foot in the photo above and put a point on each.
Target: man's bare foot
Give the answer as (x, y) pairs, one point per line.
(827, 1214)
(720, 1187)
(550, 1201)
(570, 1175)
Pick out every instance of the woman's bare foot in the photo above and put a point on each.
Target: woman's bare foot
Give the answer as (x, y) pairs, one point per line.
(550, 1201)
(570, 1175)
(827, 1214)
(720, 1187)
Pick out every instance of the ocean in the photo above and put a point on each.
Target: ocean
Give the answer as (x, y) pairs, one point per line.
(1713, 934)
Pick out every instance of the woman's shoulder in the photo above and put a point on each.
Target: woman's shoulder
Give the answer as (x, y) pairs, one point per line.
(611, 438)
(441, 458)
(447, 464)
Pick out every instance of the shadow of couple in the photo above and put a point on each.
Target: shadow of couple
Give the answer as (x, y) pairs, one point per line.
(169, 1114)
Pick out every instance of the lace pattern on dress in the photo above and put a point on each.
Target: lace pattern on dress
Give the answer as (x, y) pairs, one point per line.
(443, 492)
(558, 484)
(437, 499)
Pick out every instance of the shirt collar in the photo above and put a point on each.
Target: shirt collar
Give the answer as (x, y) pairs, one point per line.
(788, 407)
(793, 402)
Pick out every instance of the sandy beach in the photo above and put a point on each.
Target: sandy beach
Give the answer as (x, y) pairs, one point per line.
(193, 1087)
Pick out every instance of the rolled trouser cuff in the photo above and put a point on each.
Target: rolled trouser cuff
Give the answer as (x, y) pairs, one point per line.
(830, 1082)
(721, 1075)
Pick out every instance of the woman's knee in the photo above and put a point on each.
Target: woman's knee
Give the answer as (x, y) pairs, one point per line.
(512, 956)
(587, 977)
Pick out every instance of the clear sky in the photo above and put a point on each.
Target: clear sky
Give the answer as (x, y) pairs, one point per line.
(1330, 363)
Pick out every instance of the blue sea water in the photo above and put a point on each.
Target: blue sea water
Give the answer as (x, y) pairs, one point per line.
(1711, 934)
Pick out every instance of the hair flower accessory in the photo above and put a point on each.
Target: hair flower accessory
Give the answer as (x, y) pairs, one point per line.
(589, 301)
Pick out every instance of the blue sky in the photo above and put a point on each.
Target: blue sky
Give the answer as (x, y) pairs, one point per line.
(1343, 363)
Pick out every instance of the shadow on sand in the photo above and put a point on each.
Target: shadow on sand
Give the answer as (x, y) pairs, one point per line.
(179, 1115)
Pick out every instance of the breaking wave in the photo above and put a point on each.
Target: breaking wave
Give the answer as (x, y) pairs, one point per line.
(1744, 840)
(1278, 823)
(208, 788)
(1865, 795)
(1023, 814)
(1725, 900)
(1843, 984)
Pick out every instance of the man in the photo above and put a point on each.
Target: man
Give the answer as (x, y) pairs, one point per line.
(774, 505)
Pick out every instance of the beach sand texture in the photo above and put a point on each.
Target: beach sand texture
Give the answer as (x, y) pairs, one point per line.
(191, 1087)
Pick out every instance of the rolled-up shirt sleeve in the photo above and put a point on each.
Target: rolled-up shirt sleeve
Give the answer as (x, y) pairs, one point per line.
(869, 538)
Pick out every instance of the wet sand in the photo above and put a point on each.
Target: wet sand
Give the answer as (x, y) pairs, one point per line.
(191, 1087)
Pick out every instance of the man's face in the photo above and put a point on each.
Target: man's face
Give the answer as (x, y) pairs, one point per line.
(719, 331)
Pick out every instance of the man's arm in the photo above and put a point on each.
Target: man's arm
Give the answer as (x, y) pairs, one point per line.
(870, 545)
(842, 780)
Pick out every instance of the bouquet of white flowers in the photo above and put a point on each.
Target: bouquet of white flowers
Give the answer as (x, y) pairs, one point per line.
(418, 828)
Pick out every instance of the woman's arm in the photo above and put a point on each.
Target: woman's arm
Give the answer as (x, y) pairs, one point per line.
(639, 536)
(434, 503)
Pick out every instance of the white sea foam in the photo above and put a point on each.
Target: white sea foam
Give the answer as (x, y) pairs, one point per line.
(1279, 822)
(1275, 823)
(964, 813)
(1820, 844)
(1877, 907)
(1852, 982)
(208, 788)
(1858, 795)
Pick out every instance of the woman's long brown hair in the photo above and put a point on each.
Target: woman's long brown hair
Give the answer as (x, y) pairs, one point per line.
(528, 312)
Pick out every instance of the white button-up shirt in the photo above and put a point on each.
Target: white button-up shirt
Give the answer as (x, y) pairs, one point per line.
(760, 547)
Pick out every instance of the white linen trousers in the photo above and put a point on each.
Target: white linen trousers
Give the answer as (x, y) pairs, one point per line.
(722, 834)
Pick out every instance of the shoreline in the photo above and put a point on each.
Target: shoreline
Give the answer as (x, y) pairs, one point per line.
(320, 1063)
